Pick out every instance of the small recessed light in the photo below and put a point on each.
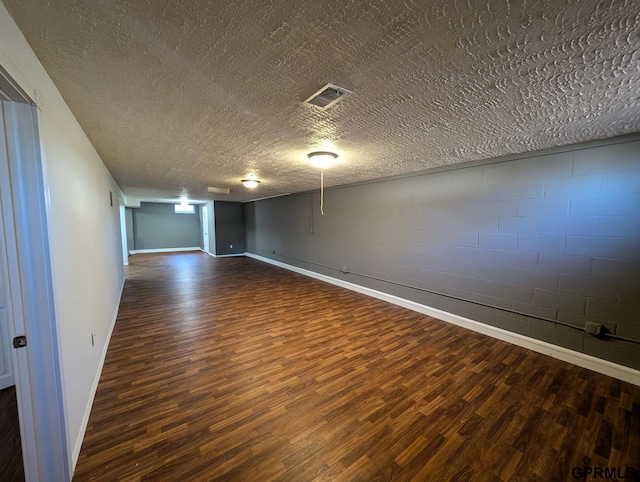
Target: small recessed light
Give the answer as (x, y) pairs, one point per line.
(250, 183)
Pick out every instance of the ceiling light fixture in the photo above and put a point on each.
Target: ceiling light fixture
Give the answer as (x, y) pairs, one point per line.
(322, 159)
(250, 183)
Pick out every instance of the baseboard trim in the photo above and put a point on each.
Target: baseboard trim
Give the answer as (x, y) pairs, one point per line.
(164, 250)
(94, 386)
(583, 360)
(223, 255)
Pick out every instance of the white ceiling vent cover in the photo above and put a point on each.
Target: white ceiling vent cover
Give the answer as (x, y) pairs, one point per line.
(327, 96)
(219, 190)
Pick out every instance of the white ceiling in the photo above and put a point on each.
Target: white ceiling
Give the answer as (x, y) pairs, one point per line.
(184, 94)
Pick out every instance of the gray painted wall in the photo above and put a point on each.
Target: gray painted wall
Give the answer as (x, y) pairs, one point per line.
(229, 228)
(552, 234)
(157, 226)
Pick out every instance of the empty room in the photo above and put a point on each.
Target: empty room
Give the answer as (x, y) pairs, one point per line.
(319, 241)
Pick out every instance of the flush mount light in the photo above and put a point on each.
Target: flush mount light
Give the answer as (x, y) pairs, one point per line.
(322, 159)
(250, 183)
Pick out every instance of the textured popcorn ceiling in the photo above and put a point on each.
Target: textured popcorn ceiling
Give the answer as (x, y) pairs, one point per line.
(183, 94)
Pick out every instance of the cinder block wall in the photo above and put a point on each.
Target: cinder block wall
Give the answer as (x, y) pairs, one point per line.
(553, 235)
(157, 226)
(229, 232)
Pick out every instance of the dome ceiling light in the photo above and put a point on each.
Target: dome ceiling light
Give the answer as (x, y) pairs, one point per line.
(250, 183)
(322, 159)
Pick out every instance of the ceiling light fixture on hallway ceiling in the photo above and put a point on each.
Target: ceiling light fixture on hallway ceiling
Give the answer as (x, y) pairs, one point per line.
(322, 159)
(250, 183)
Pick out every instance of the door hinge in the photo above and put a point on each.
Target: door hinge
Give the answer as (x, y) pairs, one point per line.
(20, 341)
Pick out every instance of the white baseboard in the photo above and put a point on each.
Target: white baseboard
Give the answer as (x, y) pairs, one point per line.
(222, 255)
(94, 387)
(164, 250)
(583, 360)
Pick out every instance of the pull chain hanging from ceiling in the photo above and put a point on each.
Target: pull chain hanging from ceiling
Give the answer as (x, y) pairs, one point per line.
(322, 192)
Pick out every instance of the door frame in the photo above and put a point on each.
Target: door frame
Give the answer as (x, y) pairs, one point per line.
(30, 302)
(204, 209)
(123, 232)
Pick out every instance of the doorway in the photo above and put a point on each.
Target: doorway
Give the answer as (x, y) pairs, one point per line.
(28, 293)
(205, 227)
(11, 456)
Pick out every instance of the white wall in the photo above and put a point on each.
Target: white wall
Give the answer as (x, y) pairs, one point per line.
(85, 239)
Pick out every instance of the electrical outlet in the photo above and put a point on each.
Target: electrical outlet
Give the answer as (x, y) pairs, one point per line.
(593, 328)
(231, 246)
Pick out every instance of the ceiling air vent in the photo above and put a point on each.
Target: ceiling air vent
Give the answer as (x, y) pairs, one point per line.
(327, 96)
(219, 190)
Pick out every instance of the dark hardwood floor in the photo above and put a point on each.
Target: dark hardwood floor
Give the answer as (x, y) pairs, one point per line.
(11, 468)
(231, 369)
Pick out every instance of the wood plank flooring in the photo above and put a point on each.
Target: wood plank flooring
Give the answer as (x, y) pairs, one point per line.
(231, 369)
(11, 465)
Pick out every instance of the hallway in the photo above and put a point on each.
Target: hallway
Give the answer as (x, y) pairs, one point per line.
(231, 369)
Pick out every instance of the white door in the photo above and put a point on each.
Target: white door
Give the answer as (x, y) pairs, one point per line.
(205, 227)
